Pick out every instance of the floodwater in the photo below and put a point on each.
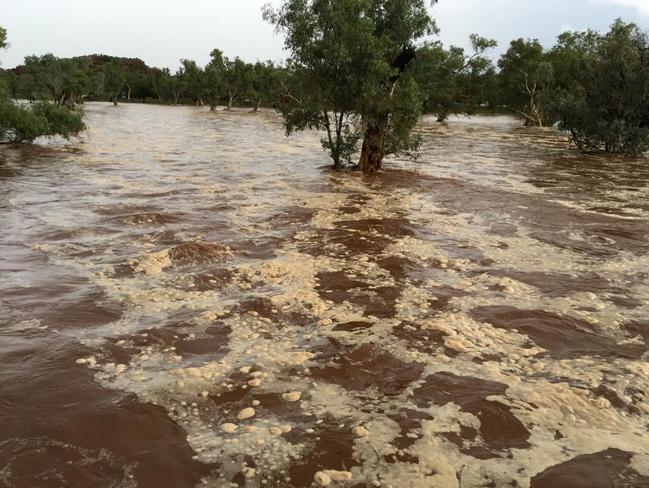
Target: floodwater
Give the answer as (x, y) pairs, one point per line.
(192, 300)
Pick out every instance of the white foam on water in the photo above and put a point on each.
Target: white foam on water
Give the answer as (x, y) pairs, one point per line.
(276, 356)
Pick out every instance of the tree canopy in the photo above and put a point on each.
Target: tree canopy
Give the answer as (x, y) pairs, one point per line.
(363, 72)
(19, 123)
(3, 37)
(351, 64)
(595, 86)
(526, 77)
(452, 81)
(602, 92)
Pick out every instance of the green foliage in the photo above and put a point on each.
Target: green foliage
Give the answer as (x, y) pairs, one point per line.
(18, 124)
(68, 81)
(192, 80)
(236, 80)
(595, 86)
(3, 37)
(526, 81)
(138, 85)
(602, 95)
(24, 124)
(452, 81)
(350, 73)
(214, 82)
(114, 80)
(264, 81)
(63, 81)
(359, 72)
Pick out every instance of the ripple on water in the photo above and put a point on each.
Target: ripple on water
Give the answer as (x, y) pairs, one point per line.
(476, 318)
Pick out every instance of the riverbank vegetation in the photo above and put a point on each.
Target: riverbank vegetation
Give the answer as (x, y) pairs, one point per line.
(19, 123)
(363, 73)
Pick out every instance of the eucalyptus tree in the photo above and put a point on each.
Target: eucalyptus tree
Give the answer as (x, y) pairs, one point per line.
(141, 86)
(452, 81)
(4, 80)
(75, 82)
(526, 77)
(214, 80)
(43, 118)
(602, 95)
(352, 73)
(97, 85)
(192, 79)
(47, 74)
(114, 81)
(176, 86)
(159, 79)
(478, 78)
(264, 83)
(237, 80)
(64, 81)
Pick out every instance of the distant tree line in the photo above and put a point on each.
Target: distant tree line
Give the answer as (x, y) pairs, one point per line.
(356, 73)
(104, 78)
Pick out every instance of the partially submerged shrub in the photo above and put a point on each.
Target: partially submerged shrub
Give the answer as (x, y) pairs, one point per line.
(603, 95)
(24, 124)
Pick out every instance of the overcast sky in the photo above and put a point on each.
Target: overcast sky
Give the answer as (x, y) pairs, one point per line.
(163, 31)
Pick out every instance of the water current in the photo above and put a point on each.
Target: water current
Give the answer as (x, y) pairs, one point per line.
(190, 299)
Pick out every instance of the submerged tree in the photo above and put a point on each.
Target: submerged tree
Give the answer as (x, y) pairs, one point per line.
(236, 76)
(452, 81)
(352, 61)
(602, 96)
(24, 124)
(114, 81)
(263, 83)
(193, 81)
(526, 77)
(214, 80)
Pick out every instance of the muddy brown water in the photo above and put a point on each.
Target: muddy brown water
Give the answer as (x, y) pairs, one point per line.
(481, 312)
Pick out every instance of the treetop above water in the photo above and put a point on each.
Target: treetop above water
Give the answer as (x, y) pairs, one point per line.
(361, 73)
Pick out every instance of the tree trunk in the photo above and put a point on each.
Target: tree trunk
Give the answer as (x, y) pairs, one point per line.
(535, 112)
(372, 152)
(230, 101)
(212, 108)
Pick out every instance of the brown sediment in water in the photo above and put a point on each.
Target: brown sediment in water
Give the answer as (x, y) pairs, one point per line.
(352, 326)
(499, 428)
(562, 337)
(332, 450)
(197, 252)
(76, 431)
(367, 367)
(599, 470)
(558, 284)
(481, 312)
(420, 338)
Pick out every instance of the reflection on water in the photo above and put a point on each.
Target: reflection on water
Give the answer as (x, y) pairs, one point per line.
(190, 299)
